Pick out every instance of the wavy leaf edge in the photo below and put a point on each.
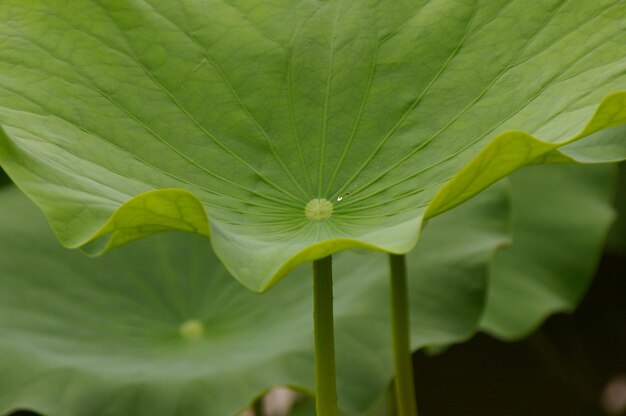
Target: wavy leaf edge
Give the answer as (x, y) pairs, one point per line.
(171, 209)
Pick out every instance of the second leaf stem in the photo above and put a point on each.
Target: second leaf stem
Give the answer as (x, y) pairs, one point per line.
(406, 404)
(325, 373)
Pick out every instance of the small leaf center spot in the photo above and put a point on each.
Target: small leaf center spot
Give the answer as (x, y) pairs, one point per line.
(318, 209)
(191, 329)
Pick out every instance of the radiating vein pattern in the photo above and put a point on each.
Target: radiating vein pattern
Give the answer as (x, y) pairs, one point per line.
(257, 108)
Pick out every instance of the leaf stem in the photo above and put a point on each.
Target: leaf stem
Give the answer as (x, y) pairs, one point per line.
(403, 367)
(325, 378)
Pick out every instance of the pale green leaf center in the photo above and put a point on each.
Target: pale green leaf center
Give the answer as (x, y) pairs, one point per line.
(318, 209)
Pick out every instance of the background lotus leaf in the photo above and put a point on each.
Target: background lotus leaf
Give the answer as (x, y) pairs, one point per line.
(561, 218)
(161, 329)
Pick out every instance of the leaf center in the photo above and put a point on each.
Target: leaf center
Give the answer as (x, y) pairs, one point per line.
(191, 329)
(318, 209)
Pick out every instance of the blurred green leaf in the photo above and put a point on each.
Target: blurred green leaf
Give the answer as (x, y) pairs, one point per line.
(561, 217)
(161, 329)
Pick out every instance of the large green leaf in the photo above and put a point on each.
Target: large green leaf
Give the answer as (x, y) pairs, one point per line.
(122, 119)
(160, 328)
(561, 218)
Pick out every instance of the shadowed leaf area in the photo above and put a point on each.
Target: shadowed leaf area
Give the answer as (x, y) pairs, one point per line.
(617, 238)
(4, 179)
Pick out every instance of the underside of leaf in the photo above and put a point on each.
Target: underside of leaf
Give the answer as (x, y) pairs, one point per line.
(230, 118)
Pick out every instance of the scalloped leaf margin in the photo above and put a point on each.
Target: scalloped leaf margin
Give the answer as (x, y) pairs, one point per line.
(178, 209)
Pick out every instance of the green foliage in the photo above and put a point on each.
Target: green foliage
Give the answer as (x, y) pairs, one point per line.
(111, 332)
(561, 217)
(605, 146)
(287, 131)
(161, 329)
(229, 118)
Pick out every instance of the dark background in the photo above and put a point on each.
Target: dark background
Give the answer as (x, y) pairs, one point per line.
(561, 370)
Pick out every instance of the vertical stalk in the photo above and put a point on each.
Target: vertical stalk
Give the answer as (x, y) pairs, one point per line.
(325, 379)
(400, 333)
